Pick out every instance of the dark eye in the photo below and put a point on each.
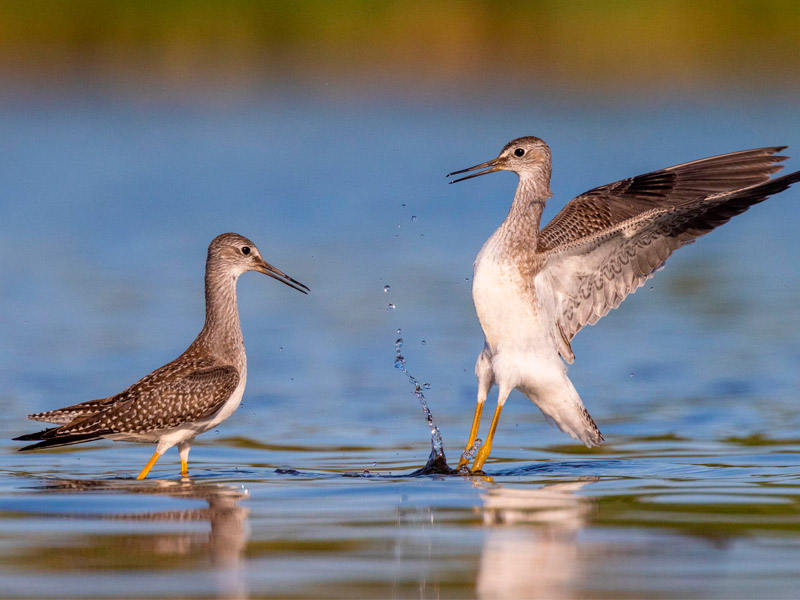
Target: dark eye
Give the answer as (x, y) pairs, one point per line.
(519, 152)
(245, 250)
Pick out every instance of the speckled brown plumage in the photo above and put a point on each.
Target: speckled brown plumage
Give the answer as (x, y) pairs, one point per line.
(190, 388)
(603, 207)
(192, 393)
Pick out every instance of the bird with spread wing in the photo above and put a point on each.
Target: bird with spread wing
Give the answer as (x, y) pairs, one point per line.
(534, 289)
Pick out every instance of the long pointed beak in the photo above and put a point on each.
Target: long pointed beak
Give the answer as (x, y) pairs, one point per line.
(489, 166)
(267, 269)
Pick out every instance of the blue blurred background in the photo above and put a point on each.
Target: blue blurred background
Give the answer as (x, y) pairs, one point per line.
(132, 133)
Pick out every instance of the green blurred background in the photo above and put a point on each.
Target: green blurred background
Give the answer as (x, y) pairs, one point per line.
(410, 48)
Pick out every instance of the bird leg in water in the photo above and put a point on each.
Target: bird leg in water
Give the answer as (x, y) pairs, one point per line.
(473, 433)
(183, 449)
(148, 466)
(483, 453)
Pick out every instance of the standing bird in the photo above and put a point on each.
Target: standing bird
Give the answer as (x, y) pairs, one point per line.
(535, 289)
(188, 396)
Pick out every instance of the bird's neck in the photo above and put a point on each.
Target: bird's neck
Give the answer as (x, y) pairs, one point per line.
(522, 222)
(222, 331)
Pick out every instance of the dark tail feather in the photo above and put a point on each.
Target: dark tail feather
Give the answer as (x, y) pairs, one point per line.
(50, 441)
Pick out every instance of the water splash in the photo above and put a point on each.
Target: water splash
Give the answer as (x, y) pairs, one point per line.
(437, 446)
(470, 452)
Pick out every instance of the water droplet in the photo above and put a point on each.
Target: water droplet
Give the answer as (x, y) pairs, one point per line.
(472, 450)
(424, 342)
(651, 288)
(366, 472)
(398, 343)
(391, 306)
(414, 218)
(399, 362)
(631, 374)
(280, 349)
(386, 288)
(374, 464)
(398, 331)
(426, 386)
(403, 205)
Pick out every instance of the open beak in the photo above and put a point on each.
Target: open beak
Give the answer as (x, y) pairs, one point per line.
(267, 269)
(489, 167)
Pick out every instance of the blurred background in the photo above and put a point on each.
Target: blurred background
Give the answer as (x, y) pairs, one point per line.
(132, 133)
(228, 51)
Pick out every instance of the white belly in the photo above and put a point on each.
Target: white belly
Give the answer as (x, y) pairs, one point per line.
(507, 307)
(517, 327)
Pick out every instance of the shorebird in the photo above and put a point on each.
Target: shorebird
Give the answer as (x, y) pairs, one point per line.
(534, 289)
(188, 396)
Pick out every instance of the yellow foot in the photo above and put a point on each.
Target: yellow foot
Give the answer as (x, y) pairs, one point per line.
(184, 468)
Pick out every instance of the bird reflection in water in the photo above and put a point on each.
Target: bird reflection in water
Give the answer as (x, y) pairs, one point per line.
(223, 547)
(531, 549)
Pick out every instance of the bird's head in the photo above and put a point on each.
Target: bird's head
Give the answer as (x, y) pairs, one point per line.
(233, 254)
(528, 157)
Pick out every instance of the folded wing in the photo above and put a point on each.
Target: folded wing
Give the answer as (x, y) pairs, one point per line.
(162, 400)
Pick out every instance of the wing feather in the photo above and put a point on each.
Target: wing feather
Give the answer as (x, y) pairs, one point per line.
(593, 272)
(177, 393)
(603, 207)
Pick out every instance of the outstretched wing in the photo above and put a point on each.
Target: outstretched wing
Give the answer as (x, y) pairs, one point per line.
(164, 399)
(607, 242)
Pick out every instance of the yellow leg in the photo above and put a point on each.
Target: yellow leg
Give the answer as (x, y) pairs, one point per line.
(473, 433)
(483, 453)
(148, 466)
(184, 468)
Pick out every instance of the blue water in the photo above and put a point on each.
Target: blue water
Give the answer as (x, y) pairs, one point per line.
(108, 205)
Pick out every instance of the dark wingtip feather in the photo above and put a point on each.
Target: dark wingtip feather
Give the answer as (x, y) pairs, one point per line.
(52, 442)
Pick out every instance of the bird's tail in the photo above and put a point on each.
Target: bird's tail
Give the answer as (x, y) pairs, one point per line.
(561, 405)
(47, 438)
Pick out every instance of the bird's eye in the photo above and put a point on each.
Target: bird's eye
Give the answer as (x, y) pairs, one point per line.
(245, 250)
(519, 152)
